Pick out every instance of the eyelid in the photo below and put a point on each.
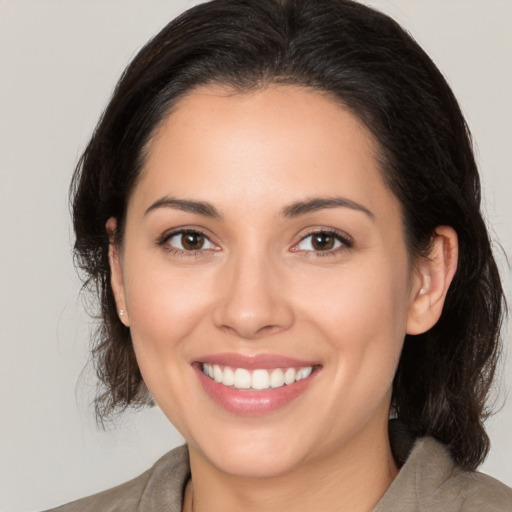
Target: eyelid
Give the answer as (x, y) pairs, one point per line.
(181, 230)
(346, 240)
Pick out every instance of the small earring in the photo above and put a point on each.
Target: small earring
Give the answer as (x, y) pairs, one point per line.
(121, 312)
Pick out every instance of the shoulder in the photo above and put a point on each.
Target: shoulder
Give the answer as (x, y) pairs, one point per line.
(159, 488)
(445, 482)
(483, 493)
(430, 481)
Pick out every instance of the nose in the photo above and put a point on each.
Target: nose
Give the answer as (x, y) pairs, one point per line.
(252, 298)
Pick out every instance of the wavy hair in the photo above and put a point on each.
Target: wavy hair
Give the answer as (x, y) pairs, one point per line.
(367, 62)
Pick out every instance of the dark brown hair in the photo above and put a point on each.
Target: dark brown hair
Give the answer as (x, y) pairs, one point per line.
(366, 61)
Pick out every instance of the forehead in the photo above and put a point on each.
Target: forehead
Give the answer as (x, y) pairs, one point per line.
(274, 145)
(296, 113)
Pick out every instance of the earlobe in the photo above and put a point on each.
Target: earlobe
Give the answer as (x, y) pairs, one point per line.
(434, 275)
(116, 274)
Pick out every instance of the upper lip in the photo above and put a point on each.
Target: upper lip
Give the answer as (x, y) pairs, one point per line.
(253, 362)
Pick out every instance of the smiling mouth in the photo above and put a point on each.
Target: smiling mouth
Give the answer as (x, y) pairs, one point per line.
(258, 379)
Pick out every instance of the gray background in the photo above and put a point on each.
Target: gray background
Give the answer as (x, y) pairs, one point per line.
(59, 61)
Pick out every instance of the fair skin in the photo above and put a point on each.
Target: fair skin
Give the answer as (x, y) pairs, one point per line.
(263, 272)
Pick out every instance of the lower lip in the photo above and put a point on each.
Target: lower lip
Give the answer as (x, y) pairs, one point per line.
(252, 403)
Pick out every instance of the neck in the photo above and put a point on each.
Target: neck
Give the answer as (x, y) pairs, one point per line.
(352, 478)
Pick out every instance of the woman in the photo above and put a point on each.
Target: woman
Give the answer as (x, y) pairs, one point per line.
(280, 209)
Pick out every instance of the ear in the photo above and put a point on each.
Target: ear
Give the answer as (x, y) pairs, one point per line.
(116, 274)
(432, 279)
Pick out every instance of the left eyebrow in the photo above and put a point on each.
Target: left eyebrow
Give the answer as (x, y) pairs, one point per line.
(321, 203)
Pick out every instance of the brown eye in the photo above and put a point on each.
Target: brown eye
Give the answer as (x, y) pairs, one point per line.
(192, 241)
(189, 241)
(322, 241)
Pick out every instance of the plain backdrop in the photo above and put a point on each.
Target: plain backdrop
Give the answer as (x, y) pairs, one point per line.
(59, 62)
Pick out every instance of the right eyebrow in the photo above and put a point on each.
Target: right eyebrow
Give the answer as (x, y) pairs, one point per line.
(185, 205)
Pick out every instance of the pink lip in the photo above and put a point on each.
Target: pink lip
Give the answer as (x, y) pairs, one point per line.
(260, 361)
(253, 403)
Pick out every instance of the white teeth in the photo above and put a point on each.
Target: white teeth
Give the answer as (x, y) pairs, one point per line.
(289, 376)
(277, 378)
(306, 372)
(217, 373)
(228, 378)
(303, 373)
(260, 379)
(241, 378)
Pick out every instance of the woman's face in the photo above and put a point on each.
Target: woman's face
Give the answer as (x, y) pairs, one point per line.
(263, 247)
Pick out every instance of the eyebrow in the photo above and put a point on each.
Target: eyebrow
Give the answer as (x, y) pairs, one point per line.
(186, 205)
(291, 211)
(321, 203)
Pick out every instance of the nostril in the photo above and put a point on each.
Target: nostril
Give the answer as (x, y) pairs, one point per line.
(248, 332)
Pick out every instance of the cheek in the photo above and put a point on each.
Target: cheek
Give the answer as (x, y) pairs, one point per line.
(164, 305)
(362, 314)
(359, 298)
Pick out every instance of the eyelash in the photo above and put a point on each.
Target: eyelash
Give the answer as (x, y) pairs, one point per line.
(345, 241)
(164, 239)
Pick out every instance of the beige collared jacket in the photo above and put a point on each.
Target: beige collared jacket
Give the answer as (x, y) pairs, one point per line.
(427, 482)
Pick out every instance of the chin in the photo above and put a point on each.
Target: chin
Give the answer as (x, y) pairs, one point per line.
(260, 464)
(253, 454)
